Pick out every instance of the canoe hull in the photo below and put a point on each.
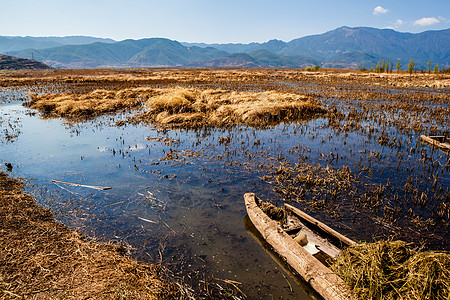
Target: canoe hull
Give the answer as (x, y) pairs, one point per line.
(323, 280)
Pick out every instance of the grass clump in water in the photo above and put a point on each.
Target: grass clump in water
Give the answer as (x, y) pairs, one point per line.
(394, 270)
(91, 104)
(183, 107)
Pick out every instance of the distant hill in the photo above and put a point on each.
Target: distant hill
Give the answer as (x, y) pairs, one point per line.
(271, 59)
(352, 47)
(236, 60)
(344, 47)
(15, 63)
(256, 59)
(17, 43)
(272, 46)
(374, 44)
(154, 52)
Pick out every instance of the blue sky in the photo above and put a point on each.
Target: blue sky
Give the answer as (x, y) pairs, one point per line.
(213, 20)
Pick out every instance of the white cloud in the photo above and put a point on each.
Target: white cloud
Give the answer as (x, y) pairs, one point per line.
(426, 21)
(399, 22)
(380, 10)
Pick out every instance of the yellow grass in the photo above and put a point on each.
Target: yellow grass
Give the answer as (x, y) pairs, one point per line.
(94, 103)
(182, 107)
(394, 270)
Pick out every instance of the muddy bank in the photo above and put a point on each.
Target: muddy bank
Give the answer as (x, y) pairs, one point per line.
(42, 259)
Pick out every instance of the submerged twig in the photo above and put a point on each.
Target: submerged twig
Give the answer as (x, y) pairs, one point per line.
(102, 188)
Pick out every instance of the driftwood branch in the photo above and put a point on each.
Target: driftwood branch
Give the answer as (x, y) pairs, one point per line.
(101, 188)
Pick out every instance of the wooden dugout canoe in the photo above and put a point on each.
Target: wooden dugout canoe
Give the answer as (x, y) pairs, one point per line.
(323, 280)
(440, 142)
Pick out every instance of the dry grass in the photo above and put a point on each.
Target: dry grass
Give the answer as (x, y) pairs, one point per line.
(272, 211)
(393, 270)
(182, 107)
(91, 104)
(166, 77)
(41, 259)
(187, 108)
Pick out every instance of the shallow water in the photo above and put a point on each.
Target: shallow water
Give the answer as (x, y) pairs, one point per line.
(196, 216)
(177, 196)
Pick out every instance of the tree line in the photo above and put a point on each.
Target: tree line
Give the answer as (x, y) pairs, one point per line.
(387, 67)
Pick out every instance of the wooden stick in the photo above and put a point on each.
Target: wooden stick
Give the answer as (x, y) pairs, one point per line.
(120, 202)
(147, 220)
(102, 188)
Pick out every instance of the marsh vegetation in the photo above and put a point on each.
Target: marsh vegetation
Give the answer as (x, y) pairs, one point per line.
(343, 146)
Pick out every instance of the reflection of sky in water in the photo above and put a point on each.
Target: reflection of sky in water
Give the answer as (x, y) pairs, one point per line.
(176, 197)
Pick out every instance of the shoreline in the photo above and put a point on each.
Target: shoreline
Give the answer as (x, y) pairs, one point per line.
(41, 258)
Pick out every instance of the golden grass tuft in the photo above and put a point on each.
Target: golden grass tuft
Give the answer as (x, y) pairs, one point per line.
(186, 108)
(394, 270)
(90, 104)
(183, 107)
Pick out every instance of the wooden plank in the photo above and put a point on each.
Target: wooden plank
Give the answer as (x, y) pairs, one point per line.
(323, 280)
(319, 224)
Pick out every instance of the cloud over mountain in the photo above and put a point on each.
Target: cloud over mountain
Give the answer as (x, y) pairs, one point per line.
(426, 21)
(379, 10)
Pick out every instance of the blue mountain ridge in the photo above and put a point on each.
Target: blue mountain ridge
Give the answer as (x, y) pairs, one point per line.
(343, 47)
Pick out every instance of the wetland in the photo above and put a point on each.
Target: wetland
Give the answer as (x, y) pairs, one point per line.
(180, 147)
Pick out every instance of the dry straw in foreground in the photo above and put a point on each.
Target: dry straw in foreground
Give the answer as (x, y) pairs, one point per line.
(41, 259)
(394, 270)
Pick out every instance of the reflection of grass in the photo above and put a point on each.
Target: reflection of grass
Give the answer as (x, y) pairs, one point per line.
(181, 107)
(392, 270)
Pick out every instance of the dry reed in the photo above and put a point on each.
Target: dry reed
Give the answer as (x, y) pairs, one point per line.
(90, 104)
(182, 107)
(394, 270)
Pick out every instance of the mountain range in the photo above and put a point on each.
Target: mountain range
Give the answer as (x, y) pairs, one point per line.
(17, 43)
(343, 47)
